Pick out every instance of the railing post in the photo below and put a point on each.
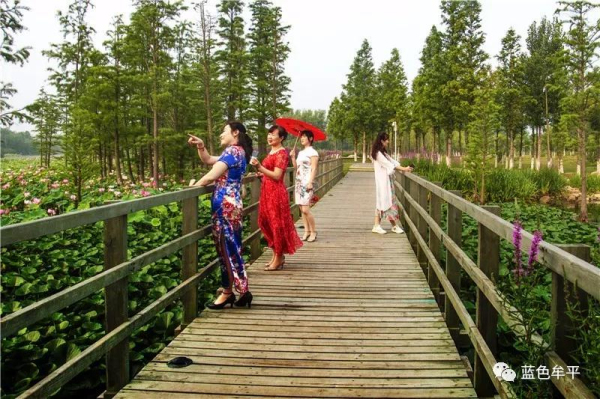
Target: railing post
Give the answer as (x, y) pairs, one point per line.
(435, 211)
(453, 267)
(189, 259)
(254, 198)
(488, 259)
(414, 193)
(561, 338)
(404, 182)
(422, 226)
(116, 304)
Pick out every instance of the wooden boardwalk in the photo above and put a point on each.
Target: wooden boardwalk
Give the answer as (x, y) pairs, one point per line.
(350, 315)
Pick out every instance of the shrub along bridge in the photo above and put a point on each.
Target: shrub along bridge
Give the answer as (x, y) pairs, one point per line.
(353, 314)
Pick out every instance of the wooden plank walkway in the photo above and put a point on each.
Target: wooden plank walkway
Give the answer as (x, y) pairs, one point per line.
(350, 315)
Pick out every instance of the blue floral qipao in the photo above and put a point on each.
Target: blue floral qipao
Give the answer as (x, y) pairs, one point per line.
(227, 218)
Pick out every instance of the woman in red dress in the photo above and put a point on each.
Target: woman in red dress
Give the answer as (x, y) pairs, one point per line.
(274, 216)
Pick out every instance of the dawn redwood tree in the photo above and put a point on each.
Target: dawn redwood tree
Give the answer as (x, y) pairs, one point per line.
(582, 42)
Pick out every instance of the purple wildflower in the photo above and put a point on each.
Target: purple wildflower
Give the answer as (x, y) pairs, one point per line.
(517, 243)
(534, 249)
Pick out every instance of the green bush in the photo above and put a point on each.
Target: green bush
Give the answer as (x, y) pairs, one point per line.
(548, 181)
(593, 183)
(505, 185)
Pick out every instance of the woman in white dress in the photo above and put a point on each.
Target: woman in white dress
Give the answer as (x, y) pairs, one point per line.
(306, 170)
(385, 166)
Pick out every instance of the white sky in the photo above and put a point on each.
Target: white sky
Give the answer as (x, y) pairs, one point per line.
(324, 38)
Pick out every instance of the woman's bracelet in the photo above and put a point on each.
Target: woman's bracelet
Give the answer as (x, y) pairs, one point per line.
(200, 148)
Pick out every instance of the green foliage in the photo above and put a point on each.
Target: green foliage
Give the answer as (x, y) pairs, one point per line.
(16, 143)
(268, 51)
(11, 15)
(36, 269)
(593, 183)
(359, 96)
(501, 184)
(232, 58)
(532, 298)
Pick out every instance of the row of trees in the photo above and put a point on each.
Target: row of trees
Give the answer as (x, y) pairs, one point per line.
(127, 107)
(545, 98)
(20, 143)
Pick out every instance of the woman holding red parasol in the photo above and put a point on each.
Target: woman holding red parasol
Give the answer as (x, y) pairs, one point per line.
(306, 171)
(274, 217)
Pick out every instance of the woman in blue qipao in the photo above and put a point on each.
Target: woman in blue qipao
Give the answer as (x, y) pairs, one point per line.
(227, 172)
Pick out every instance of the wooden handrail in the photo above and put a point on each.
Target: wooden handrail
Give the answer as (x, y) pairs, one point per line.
(115, 275)
(584, 274)
(414, 211)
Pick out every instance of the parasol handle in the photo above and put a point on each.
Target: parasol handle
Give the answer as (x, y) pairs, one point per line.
(297, 138)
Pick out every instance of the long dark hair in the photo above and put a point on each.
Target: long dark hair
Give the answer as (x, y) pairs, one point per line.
(243, 139)
(378, 145)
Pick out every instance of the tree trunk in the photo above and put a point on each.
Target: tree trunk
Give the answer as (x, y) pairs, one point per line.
(448, 149)
(497, 150)
(128, 158)
(100, 156)
(511, 149)
(549, 154)
(355, 148)
(521, 150)
(538, 160)
(364, 147)
(583, 216)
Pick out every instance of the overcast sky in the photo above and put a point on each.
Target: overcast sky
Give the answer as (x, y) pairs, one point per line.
(324, 38)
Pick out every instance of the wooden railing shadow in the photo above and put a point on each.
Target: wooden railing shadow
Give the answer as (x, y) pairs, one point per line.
(114, 279)
(569, 264)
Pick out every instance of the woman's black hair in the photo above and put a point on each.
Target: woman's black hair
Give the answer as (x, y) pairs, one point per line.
(309, 135)
(280, 131)
(243, 139)
(378, 145)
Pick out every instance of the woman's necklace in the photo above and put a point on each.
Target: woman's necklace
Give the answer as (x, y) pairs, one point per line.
(274, 150)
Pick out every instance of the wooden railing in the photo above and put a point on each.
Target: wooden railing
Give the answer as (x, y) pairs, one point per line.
(422, 203)
(114, 279)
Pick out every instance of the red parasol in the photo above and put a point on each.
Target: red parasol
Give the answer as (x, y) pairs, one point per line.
(294, 127)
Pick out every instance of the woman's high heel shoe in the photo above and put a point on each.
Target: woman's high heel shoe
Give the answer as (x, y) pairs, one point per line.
(230, 300)
(311, 238)
(245, 300)
(306, 235)
(278, 267)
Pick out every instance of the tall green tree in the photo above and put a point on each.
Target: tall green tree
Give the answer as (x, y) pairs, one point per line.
(360, 96)
(268, 52)
(510, 89)
(46, 117)
(76, 57)
(544, 81)
(11, 16)
(209, 72)
(428, 105)
(392, 98)
(337, 122)
(485, 120)
(465, 61)
(582, 41)
(232, 58)
(151, 22)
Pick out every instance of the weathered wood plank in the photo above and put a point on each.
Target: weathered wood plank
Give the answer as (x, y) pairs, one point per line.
(343, 319)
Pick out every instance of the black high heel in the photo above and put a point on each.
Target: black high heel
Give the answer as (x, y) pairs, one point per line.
(245, 300)
(230, 300)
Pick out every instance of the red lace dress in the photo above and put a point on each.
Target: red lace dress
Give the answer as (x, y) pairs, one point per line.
(274, 217)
